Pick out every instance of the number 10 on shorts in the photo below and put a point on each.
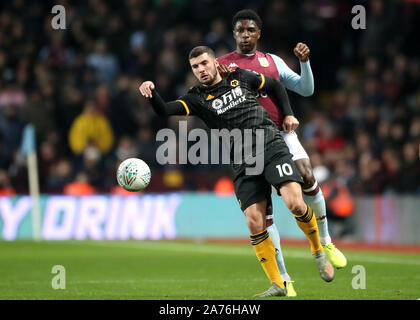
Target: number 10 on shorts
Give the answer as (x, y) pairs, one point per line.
(284, 169)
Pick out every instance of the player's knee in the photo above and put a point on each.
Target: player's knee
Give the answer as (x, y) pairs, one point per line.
(292, 197)
(254, 221)
(297, 207)
(292, 202)
(255, 226)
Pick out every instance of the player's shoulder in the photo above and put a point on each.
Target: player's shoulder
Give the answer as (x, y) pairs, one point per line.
(243, 75)
(237, 72)
(275, 57)
(246, 72)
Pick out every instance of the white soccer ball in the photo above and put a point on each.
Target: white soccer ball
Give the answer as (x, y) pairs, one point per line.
(133, 174)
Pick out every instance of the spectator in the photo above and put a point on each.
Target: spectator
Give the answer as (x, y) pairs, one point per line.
(80, 186)
(79, 86)
(11, 127)
(6, 189)
(105, 63)
(224, 187)
(340, 206)
(59, 175)
(39, 110)
(91, 126)
(409, 173)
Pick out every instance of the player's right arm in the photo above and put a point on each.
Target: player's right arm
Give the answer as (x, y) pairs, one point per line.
(302, 84)
(178, 107)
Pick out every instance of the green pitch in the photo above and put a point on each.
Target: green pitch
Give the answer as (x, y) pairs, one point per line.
(184, 270)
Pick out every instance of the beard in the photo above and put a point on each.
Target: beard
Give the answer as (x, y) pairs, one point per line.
(211, 78)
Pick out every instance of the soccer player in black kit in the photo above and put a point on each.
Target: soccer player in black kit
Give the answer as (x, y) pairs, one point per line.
(231, 104)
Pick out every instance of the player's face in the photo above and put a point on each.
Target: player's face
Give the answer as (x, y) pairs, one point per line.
(246, 34)
(204, 68)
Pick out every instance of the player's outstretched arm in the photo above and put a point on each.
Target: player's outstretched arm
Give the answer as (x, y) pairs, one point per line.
(302, 84)
(148, 90)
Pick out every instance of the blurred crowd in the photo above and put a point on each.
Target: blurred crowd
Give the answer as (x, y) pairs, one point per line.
(79, 88)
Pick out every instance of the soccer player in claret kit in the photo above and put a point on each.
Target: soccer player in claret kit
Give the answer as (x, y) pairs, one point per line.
(231, 104)
(247, 31)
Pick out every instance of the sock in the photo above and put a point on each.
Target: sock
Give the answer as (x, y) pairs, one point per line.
(307, 223)
(275, 238)
(264, 249)
(315, 199)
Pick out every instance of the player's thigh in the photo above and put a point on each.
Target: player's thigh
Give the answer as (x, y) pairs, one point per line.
(281, 169)
(280, 172)
(251, 189)
(291, 192)
(295, 147)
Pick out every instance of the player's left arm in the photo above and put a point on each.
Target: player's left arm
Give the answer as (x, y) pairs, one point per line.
(302, 84)
(275, 88)
(162, 108)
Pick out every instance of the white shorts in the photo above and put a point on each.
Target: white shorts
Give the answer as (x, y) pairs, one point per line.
(293, 143)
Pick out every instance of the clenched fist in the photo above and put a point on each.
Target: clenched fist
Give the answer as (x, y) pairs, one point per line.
(302, 52)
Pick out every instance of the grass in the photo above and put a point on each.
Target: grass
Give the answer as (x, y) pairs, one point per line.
(159, 270)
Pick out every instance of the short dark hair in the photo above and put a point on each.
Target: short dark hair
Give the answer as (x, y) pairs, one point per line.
(198, 51)
(247, 14)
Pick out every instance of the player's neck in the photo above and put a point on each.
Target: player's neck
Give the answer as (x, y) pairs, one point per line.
(251, 53)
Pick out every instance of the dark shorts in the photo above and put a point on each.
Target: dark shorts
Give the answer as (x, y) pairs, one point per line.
(250, 189)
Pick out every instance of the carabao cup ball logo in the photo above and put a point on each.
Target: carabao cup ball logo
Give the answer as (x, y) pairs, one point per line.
(130, 174)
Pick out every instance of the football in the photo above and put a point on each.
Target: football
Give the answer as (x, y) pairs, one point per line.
(133, 174)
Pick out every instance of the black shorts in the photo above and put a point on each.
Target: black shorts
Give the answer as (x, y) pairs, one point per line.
(250, 189)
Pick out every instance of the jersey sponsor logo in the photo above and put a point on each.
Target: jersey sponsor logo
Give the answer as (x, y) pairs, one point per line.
(217, 104)
(233, 65)
(228, 100)
(264, 62)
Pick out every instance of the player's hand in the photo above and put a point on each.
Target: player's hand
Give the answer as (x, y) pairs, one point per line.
(146, 89)
(302, 52)
(290, 123)
(224, 70)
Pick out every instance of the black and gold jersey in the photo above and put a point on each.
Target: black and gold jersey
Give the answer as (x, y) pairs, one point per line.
(232, 104)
